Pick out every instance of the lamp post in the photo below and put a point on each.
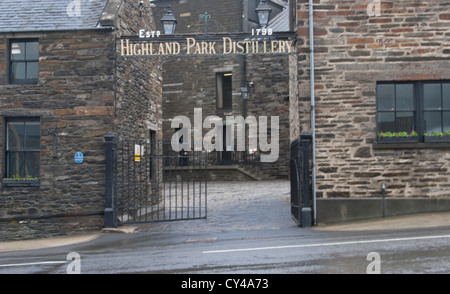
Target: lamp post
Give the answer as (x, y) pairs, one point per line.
(168, 21)
(263, 10)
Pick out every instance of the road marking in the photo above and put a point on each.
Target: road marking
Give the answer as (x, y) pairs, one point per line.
(32, 263)
(329, 244)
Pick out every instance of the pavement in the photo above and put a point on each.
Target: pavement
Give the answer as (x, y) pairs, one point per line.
(414, 221)
(244, 206)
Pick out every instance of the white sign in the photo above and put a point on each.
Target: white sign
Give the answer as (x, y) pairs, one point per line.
(138, 152)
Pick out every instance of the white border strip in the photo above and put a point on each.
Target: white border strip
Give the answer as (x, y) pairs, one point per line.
(32, 263)
(329, 244)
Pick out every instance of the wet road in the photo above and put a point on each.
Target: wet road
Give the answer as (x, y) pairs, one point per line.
(248, 231)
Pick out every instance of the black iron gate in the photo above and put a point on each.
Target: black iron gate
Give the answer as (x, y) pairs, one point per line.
(300, 177)
(149, 182)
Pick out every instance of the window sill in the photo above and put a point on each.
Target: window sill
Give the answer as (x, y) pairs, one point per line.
(23, 82)
(24, 183)
(437, 139)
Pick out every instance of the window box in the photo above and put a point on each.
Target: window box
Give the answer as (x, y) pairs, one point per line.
(398, 138)
(442, 138)
(21, 183)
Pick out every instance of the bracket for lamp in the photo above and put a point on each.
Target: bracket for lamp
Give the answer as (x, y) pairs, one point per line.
(143, 7)
(55, 140)
(168, 21)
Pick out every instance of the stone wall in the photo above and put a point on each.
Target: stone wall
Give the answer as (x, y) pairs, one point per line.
(138, 108)
(190, 82)
(270, 97)
(77, 91)
(408, 41)
(223, 15)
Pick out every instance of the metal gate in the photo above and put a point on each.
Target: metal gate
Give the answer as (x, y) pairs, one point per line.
(152, 183)
(301, 181)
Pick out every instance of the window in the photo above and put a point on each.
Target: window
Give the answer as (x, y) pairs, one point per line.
(23, 138)
(224, 91)
(413, 111)
(436, 107)
(24, 61)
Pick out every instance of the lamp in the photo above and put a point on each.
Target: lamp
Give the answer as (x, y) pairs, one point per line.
(246, 90)
(245, 93)
(168, 21)
(263, 10)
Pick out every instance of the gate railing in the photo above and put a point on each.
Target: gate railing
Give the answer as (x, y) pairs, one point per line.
(146, 183)
(300, 178)
(246, 159)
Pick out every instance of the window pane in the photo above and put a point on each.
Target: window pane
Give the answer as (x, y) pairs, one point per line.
(446, 122)
(17, 51)
(432, 121)
(404, 97)
(227, 92)
(446, 95)
(15, 163)
(33, 132)
(405, 122)
(386, 97)
(18, 70)
(16, 132)
(432, 96)
(386, 122)
(32, 164)
(32, 70)
(32, 50)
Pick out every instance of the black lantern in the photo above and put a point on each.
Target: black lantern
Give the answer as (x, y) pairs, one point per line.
(263, 10)
(245, 93)
(169, 23)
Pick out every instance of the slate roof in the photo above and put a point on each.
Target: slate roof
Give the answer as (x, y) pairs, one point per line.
(279, 2)
(280, 23)
(47, 15)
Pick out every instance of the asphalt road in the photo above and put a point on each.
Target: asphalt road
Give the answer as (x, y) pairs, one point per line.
(270, 252)
(252, 234)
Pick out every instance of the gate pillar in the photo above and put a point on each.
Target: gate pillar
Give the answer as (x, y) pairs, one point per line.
(306, 200)
(110, 219)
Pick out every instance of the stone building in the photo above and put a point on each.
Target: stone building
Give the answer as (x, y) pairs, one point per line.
(214, 84)
(62, 89)
(382, 89)
(381, 101)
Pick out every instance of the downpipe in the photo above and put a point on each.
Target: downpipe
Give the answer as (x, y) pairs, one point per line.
(313, 108)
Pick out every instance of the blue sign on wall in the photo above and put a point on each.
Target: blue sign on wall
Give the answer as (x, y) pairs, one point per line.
(79, 157)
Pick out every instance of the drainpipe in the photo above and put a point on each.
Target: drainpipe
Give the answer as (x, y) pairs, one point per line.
(313, 106)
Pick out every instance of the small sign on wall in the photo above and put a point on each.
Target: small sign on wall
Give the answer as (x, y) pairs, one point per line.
(79, 157)
(137, 153)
